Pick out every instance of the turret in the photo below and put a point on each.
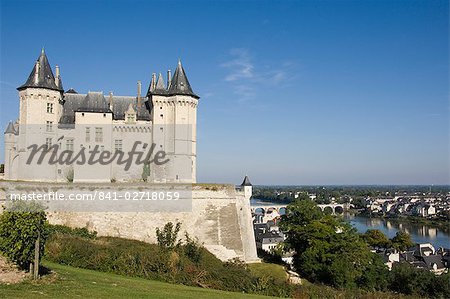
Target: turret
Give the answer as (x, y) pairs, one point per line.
(248, 187)
(174, 116)
(42, 76)
(41, 95)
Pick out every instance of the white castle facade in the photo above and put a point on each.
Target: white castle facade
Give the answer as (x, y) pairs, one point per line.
(75, 125)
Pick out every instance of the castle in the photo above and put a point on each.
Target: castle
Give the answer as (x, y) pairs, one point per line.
(164, 119)
(65, 124)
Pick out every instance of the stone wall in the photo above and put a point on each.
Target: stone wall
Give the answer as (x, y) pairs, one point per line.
(220, 217)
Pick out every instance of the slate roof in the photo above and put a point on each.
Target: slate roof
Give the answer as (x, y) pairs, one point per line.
(433, 259)
(10, 129)
(179, 85)
(246, 182)
(96, 102)
(160, 87)
(45, 78)
(71, 91)
(270, 237)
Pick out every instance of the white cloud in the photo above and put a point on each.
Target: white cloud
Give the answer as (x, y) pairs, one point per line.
(246, 77)
(240, 66)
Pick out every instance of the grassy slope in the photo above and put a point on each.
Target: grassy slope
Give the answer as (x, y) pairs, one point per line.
(266, 269)
(72, 282)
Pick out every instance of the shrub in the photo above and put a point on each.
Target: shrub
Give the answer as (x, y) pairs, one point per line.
(168, 237)
(20, 226)
(70, 175)
(192, 249)
(79, 232)
(409, 280)
(145, 172)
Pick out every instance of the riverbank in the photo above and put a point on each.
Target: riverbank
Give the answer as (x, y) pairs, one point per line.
(443, 225)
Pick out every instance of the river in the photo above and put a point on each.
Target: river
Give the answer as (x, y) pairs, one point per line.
(420, 233)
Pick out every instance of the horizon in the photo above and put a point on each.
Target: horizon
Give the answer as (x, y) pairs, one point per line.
(303, 94)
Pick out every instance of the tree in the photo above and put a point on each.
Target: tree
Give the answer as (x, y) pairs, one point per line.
(168, 237)
(20, 226)
(301, 212)
(376, 238)
(402, 241)
(328, 249)
(145, 171)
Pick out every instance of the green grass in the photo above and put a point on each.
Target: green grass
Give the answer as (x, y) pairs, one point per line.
(266, 269)
(69, 282)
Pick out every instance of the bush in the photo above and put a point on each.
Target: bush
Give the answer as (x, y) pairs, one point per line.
(168, 237)
(192, 249)
(135, 258)
(20, 226)
(78, 232)
(409, 280)
(70, 175)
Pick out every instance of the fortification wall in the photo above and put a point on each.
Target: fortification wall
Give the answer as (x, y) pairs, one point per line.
(220, 217)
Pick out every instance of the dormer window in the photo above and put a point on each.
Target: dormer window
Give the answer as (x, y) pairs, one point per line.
(131, 118)
(130, 115)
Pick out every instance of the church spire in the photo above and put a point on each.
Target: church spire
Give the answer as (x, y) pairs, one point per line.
(42, 75)
(179, 84)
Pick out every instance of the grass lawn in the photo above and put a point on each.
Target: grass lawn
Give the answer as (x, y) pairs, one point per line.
(272, 270)
(69, 282)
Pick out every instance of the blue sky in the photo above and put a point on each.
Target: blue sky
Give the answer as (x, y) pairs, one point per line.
(292, 92)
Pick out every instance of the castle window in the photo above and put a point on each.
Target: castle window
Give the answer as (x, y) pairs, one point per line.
(49, 127)
(69, 144)
(161, 115)
(88, 134)
(48, 142)
(118, 144)
(49, 107)
(98, 134)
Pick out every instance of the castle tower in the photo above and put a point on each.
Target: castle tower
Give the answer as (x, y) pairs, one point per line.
(41, 98)
(41, 95)
(174, 114)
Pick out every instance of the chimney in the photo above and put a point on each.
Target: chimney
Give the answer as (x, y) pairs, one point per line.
(169, 78)
(139, 85)
(36, 74)
(57, 76)
(111, 101)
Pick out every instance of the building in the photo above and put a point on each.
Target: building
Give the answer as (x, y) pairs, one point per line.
(71, 124)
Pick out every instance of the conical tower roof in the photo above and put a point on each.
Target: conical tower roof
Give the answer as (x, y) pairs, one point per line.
(180, 83)
(10, 128)
(246, 182)
(160, 88)
(42, 76)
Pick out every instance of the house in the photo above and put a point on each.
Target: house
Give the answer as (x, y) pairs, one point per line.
(269, 240)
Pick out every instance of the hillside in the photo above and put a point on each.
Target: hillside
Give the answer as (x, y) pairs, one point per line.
(70, 282)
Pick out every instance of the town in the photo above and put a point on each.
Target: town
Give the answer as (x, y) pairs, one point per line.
(270, 204)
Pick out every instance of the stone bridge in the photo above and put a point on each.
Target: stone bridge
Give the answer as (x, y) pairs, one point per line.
(332, 208)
